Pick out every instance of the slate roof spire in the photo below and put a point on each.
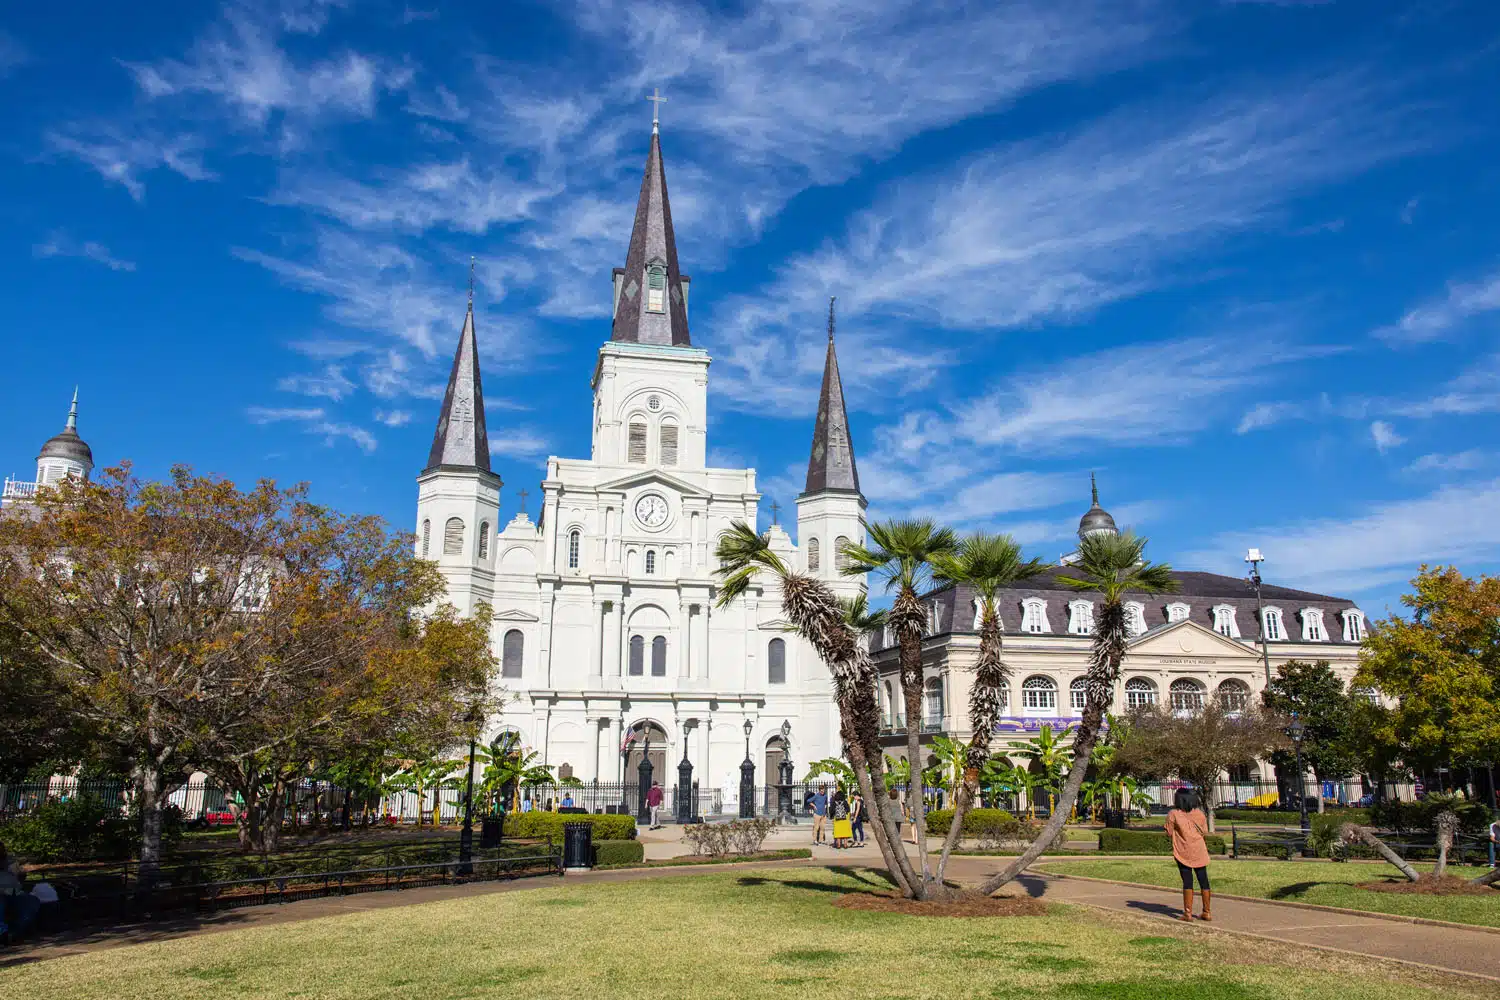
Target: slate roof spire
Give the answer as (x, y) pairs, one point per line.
(652, 307)
(461, 441)
(831, 465)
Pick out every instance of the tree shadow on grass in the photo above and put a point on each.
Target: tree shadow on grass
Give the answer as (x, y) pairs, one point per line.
(1295, 889)
(1035, 886)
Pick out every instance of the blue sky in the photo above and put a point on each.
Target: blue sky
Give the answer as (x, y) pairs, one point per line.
(1240, 258)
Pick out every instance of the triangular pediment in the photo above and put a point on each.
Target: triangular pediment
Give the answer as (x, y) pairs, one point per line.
(512, 615)
(1188, 639)
(777, 625)
(647, 477)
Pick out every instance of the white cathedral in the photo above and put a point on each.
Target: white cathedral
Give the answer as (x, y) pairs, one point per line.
(605, 620)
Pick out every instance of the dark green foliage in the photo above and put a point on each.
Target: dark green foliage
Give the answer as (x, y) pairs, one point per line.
(1419, 817)
(1148, 842)
(1314, 693)
(618, 852)
(81, 829)
(1281, 817)
(607, 826)
(976, 823)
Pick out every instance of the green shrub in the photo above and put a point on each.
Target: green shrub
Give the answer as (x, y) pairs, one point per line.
(619, 852)
(1283, 817)
(977, 822)
(1418, 817)
(607, 826)
(1148, 842)
(80, 829)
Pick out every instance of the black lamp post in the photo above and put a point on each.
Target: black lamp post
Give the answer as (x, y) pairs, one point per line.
(466, 838)
(1296, 731)
(786, 773)
(1254, 558)
(747, 777)
(643, 781)
(685, 783)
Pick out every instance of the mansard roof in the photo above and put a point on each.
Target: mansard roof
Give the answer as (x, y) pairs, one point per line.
(461, 441)
(652, 243)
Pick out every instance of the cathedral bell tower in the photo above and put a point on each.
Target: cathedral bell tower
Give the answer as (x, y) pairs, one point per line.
(458, 496)
(831, 508)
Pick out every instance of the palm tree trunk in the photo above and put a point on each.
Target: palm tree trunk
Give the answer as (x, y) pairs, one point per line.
(1353, 831)
(984, 712)
(907, 617)
(887, 838)
(1447, 826)
(1488, 878)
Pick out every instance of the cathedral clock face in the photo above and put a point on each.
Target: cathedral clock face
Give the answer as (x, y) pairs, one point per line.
(651, 510)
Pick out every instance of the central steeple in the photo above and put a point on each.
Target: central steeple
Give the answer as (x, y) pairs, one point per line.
(831, 464)
(650, 292)
(461, 440)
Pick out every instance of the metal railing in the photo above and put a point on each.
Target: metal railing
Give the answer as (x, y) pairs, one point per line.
(15, 489)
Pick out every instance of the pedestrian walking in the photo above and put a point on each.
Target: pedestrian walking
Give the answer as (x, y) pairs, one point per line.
(1187, 826)
(654, 799)
(843, 829)
(857, 817)
(820, 815)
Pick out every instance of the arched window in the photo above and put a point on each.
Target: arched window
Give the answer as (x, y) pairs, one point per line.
(840, 557)
(1234, 696)
(637, 447)
(1312, 625)
(637, 655)
(511, 651)
(1224, 622)
(1078, 693)
(1270, 623)
(1135, 617)
(656, 288)
(1187, 695)
(814, 556)
(575, 542)
(1039, 694)
(453, 537)
(776, 662)
(668, 444)
(932, 704)
(659, 656)
(650, 561)
(484, 539)
(1354, 625)
(1368, 694)
(1178, 612)
(1080, 617)
(1139, 693)
(1034, 615)
(426, 537)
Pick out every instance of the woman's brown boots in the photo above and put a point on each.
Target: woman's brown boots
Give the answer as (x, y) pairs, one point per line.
(1187, 905)
(1208, 898)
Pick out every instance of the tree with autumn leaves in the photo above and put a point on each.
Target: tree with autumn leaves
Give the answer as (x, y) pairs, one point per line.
(250, 634)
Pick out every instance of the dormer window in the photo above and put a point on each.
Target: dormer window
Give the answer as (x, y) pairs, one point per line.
(656, 288)
(1224, 622)
(1354, 625)
(1270, 623)
(1034, 615)
(1312, 625)
(1080, 618)
(1135, 617)
(1178, 612)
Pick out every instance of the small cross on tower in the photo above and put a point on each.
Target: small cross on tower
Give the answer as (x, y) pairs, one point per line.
(524, 495)
(775, 510)
(656, 102)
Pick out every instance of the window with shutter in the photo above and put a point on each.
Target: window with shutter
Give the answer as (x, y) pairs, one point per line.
(453, 537)
(668, 444)
(840, 558)
(813, 555)
(637, 452)
(426, 538)
(511, 651)
(659, 656)
(656, 289)
(484, 539)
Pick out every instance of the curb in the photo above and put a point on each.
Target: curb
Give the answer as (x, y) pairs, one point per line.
(1294, 904)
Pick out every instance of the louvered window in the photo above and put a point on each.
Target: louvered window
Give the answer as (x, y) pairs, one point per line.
(453, 537)
(668, 444)
(511, 653)
(656, 289)
(840, 557)
(484, 539)
(426, 538)
(637, 444)
(813, 555)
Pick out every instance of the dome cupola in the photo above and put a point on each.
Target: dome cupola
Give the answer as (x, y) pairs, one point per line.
(1096, 519)
(65, 453)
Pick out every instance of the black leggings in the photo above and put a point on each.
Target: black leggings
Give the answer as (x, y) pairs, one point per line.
(1187, 877)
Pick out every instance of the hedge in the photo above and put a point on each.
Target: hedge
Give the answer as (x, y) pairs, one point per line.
(1282, 817)
(1148, 842)
(976, 821)
(618, 852)
(607, 826)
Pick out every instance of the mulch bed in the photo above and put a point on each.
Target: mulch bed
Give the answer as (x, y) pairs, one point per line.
(1448, 885)
(963, 905)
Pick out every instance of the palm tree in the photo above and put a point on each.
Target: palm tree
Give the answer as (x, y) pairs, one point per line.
(817, 615)
(1045, 750)
(903, 553)
(1109, 565)
(988, 564)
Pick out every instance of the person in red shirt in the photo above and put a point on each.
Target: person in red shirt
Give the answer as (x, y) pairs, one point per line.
(1187, 826)
(653, 801)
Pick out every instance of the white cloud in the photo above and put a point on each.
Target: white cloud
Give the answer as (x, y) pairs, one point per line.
(1445, 316)
(1385, 436)
(61, 245)
(330, 383)
(1463, 461)
(275, 414)
(1409, 211)
(314, 420)
(1472, 392)
(1383, 545)
(518, 442)
(393, 418)
(122, 158)
(1263, 415)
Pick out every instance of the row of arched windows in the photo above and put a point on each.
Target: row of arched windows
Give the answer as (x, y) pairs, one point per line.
(815, 554)
(453, 538)
(637, 662)
(666, 439)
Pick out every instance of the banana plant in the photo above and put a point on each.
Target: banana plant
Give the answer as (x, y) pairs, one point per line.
(425, 776)
(1093, 793)
(841, 773)
(898, 772)
(1046, 750)
(952, 758)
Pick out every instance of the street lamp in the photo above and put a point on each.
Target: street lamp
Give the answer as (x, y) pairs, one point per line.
(786, 772)
(747, 777)
(466, 838)
(1254, 558)
(1296, 731)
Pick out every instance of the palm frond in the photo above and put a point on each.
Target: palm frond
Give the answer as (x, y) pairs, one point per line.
(900, 551)
(741, 554)
(859, 617)
(1111, 565)
(987, 562)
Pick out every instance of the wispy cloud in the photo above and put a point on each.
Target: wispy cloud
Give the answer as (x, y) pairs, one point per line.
(518, 442)
(330, 383)
(315, 421)
(1446, 315)
(59, 244)
(1463, 461)
(122, 158)
(393, 418)
(1385, 436)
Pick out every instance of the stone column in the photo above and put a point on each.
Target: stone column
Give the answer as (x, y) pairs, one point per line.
(596, 643)
(686, 644)
(699, 625)
(614, 665)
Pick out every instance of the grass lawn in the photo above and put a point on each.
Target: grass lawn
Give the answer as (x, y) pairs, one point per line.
(740, 935)
(1323, 882)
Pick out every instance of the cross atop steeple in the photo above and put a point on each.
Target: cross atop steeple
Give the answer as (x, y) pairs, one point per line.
(651, 302)
(831, 465)
(524, 494)
(656, 102)
(775, 510)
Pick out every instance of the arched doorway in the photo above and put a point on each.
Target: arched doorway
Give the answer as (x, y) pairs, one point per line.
(646, 733)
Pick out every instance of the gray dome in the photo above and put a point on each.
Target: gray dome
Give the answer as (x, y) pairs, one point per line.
(1096, 518)
(67, 445)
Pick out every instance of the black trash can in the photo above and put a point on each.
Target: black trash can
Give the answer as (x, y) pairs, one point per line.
(1114, 819)
(489, 833)
(578, 845)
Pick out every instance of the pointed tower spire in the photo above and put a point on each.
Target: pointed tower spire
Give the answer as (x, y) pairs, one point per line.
(72, 423)
(461, 441)
(1094, 488)
(831, 466)
(650, 299)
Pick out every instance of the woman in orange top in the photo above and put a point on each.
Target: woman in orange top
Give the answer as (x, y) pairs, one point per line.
(1188, 826)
